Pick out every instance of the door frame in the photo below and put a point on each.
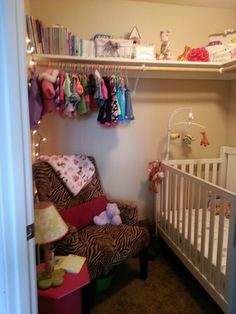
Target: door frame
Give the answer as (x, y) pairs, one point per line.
(18, 293)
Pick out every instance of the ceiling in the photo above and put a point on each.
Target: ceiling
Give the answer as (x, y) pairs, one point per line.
(226, 4)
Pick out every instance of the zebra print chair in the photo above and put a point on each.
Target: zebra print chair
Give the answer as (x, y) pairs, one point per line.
(103, 246)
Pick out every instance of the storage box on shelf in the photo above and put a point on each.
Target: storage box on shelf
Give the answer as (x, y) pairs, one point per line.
(106, 47)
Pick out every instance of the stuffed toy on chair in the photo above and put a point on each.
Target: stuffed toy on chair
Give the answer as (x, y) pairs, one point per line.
(109, 216)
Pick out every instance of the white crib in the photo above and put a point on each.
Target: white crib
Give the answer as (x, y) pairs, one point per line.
(186, 220)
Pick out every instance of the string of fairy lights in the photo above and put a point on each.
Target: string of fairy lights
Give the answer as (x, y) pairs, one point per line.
(37, 141)
(37, 137)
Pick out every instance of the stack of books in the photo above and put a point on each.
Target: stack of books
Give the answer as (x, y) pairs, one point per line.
(57, 40)
(70, 263)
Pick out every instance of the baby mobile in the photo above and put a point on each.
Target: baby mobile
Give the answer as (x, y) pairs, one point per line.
(155, 168)
(187, 138)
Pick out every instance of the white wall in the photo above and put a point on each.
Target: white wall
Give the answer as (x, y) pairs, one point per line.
(122, 153)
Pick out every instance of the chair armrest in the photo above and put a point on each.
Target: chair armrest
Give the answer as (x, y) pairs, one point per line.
(128, 211)
(69, 243)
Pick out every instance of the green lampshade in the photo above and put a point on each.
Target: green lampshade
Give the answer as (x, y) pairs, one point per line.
(49, 226)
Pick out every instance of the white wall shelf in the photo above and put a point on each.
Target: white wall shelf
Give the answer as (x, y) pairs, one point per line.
(147, 68)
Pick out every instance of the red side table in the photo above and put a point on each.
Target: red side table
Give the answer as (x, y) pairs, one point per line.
(65, 298)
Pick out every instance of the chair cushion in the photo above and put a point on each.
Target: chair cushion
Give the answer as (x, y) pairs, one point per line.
(116, 242)
(82, 215)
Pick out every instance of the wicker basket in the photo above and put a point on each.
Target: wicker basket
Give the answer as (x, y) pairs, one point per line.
(117, 48)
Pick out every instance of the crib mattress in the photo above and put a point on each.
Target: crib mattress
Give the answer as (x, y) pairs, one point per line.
(179, 232)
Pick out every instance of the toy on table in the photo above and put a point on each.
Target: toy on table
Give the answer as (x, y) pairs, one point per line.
(204, 140)
(109, 216)
(156, 174)
(188, 139)
(165, 52)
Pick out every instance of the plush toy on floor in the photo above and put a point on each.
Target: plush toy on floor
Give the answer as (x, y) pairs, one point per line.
(109, 216)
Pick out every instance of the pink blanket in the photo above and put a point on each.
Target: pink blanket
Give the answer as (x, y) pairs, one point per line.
(76, 171)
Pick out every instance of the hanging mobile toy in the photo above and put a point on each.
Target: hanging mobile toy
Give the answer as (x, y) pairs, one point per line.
(204, 140)
(188, 139)
(174, 136)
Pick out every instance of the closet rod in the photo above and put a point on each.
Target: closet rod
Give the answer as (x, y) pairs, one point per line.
(142, 67)
(227, 69)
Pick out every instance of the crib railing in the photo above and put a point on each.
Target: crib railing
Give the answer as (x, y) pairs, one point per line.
(186, 217)
(207, 169)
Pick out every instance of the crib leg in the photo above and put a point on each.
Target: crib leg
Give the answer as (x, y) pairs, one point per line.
(143, 260)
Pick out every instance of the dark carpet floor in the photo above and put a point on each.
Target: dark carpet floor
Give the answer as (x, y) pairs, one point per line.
(170, 288)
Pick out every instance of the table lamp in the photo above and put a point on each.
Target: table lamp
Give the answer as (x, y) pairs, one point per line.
(49, 227)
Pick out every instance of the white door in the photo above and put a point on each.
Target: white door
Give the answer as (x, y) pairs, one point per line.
(17, 258)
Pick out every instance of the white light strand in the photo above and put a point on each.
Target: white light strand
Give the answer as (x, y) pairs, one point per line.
(37, 145)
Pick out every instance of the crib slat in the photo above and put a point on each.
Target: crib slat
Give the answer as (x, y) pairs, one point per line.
(179, 208)
(185, 187)
(211, 237)
(199, 170)
(169, 218)
(196, 224)
(189, 206)
(173, 206)
(165, 200)
(183, 167)
(203, 233)
(229, 238)
(162, 202)
(206, 174)
(191, 169)
(159, 203)
(220, 245)
(214, 173)
(163, 205)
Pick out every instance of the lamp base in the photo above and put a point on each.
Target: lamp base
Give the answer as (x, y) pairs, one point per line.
(47, 280)
(49, 258)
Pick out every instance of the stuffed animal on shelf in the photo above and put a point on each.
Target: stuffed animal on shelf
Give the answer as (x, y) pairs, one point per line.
(183, 56)
(204, 140)
(156, 174)
(188, 139)
(198, 54)
(109, 216)
(165, 53)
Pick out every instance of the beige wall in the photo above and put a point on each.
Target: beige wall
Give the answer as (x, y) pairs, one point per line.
(122, 153)
(189, 25)
(231, 135)
(27, 7)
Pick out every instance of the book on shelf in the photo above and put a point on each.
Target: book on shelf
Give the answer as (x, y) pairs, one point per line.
(70, 263)
(57, 40)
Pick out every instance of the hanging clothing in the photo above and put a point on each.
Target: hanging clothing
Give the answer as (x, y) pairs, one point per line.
(35, 102)
(76, 94)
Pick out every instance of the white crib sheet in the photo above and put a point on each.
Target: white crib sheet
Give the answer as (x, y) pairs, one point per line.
(207, 234)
